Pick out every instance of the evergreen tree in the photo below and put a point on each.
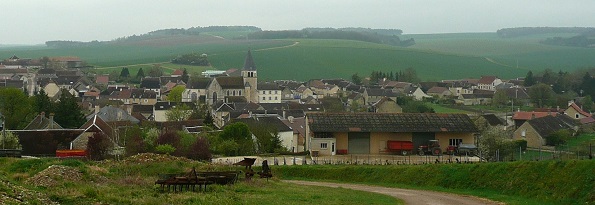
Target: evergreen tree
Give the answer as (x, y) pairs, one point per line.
(140, 74)
(124, 73)
(42, 103)
(68, 112)
(529, 80)
(185, 76)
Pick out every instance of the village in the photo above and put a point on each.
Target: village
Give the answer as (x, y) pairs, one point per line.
(320, 117)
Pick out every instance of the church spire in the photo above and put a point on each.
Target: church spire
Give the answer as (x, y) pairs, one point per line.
(249, 62)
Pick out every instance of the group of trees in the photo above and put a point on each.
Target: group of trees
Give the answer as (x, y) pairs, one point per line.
(19, 109)
(234, 140)
(125, 76)
(192, 59)
(143, 139)
(409, 75)
(524, 31)
(555, 89)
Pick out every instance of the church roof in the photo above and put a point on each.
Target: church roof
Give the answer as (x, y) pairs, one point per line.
(249, 62)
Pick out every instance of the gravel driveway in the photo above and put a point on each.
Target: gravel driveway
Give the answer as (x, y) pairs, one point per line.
(412, 197)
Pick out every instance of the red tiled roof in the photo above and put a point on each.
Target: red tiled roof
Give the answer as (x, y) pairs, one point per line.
(177, 72)
(531, 115)
(579, 110)
(487, 79)
(587, 120)
(102, 79)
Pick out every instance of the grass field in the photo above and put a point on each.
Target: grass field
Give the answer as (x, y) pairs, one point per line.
(434, 56)
(543, 182)
(113, 182)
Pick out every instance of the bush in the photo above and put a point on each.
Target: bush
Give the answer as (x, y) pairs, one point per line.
(165, 149)
(522, 144)
(558, 137)
(98, 146)
(200, 150)
(172, 139)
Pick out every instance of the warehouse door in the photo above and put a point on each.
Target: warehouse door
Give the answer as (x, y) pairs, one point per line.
(359, 142)
(421, 138)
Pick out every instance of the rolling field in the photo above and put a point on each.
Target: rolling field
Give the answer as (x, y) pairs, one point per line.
(434, 57)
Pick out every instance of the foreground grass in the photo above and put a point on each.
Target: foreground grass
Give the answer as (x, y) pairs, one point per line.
(113, 182)
(544, 182)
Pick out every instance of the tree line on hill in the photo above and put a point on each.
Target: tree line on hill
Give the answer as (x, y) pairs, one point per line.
(525, 31)
(585, 36)
(366, 35)
(153, 34)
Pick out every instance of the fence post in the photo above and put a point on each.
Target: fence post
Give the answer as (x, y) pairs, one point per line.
(520, 153)
(590, 151)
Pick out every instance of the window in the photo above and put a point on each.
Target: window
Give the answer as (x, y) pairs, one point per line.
(454, 142)
(275, 92)
(275, 98)
(576, 116)
(323, 145)
(269, 92)
(240, 92)
(264, 98)
(264, 92)
(270, 98)
(228, 93)
(234, 93)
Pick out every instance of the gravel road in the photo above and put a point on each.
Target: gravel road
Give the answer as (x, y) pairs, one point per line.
(412, 197)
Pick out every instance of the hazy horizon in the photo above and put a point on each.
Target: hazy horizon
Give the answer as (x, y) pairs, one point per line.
(37, 21)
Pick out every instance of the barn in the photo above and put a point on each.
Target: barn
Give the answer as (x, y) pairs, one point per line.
(368, 133)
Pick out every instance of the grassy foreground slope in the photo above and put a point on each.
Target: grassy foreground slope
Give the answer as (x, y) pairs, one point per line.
(131, 181)
(546, 182)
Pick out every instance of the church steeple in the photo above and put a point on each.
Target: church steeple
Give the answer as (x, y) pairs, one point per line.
(249, 62)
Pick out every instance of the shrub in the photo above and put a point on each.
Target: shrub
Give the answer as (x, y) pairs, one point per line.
(522, 144)
(165, 149)
(98, 146)
(200, 150)
(558, 137)
(173, 139)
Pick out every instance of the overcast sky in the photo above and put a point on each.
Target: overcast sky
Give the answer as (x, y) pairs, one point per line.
(37, 21)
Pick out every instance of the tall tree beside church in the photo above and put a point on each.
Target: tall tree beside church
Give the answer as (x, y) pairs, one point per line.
(42, 103)
(529, 79)
(68, 112)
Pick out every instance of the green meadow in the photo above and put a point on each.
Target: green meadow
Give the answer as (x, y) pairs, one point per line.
(434, 56)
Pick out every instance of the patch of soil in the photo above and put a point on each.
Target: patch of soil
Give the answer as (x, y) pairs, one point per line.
(55, 175)
(14, 194)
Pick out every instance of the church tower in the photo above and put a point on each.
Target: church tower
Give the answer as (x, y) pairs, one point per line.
(250, 78)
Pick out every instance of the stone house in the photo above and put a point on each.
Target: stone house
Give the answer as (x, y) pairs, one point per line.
(537, 130)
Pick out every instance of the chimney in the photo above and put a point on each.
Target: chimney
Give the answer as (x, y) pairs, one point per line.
(557, 108)
(96, 109)
(284, 114)
(518, 109)
(51, 125)
(533, 115)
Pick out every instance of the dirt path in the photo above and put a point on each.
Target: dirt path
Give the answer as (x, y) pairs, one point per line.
(413, 197)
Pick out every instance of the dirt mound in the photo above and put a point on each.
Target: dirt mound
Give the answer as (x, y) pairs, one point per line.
(55, 175)
(151, 157)
(15, 194)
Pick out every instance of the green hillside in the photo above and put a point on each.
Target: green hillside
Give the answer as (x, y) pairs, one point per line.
(434, 56)
(525, 50)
